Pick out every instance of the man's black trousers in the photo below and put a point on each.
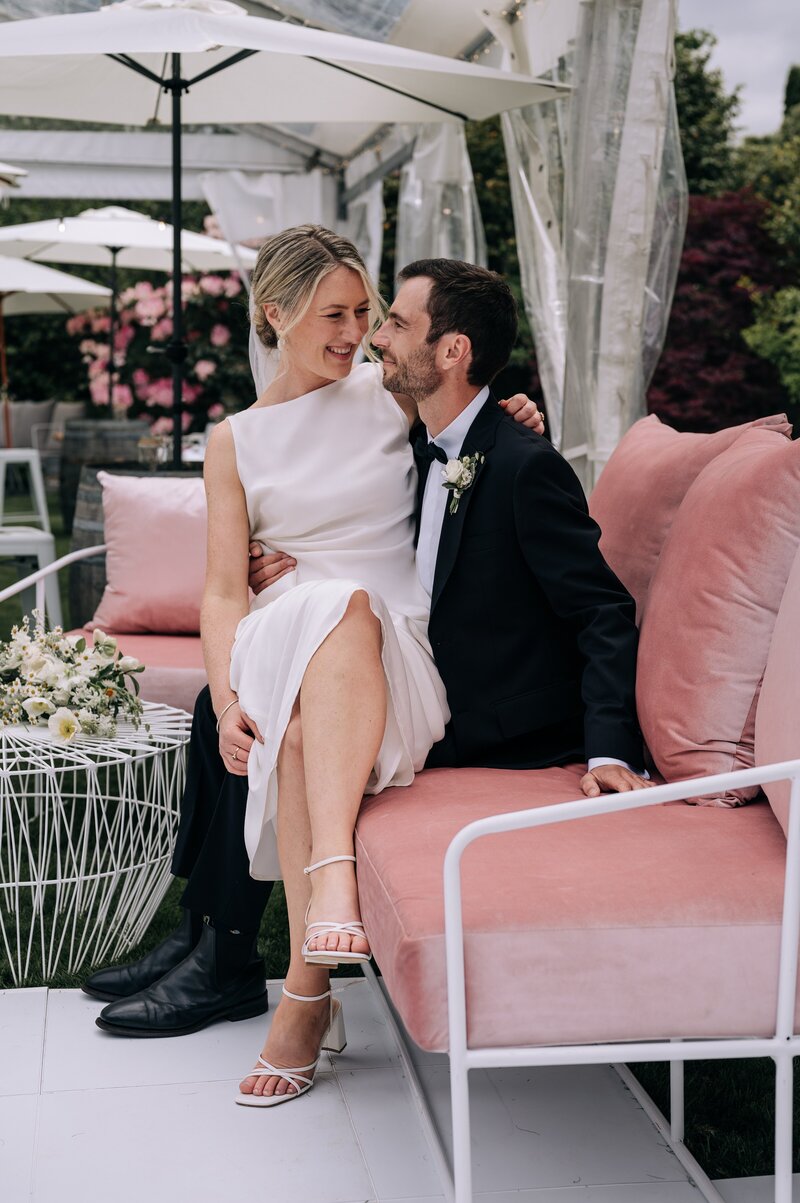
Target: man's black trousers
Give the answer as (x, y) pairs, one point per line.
(209, 850)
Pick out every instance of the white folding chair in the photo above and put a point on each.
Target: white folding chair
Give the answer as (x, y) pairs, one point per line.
(27, 541)
(30, 457)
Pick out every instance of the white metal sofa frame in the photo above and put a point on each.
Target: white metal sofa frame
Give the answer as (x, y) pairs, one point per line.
(781, 1048)
(38, 578)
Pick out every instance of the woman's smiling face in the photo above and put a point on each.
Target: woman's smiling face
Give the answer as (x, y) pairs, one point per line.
(325, 340)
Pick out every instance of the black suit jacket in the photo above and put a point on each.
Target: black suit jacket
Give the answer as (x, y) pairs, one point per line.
(532, 632)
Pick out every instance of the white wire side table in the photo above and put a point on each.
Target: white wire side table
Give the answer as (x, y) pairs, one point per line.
(87, 830)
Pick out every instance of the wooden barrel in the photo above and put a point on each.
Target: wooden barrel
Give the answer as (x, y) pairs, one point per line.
(87, 578)
(94, 442)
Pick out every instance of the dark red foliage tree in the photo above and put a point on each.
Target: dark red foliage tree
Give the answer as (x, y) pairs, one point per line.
(707, 377)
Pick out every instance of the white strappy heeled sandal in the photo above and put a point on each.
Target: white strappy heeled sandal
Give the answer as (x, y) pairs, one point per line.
(314, 956)
(301, 1078)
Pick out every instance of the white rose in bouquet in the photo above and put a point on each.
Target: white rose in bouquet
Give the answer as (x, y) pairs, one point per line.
(64, 724)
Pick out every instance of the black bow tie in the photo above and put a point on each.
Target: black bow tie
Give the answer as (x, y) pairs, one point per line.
(428, 452)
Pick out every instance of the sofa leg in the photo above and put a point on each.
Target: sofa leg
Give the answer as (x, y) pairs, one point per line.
(677, 1110)
(784, 1108)
(462, 1143)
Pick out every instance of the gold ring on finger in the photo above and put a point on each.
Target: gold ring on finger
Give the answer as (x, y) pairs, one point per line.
(235, 753)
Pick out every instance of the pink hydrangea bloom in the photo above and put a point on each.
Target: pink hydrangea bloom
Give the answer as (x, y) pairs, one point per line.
(159, 393)
(162, 426)
(220, 335)
(212, 286)
(216, 410)
(98, 389)
(162, 330)
(204, 368)
(101, 323)
(122, 397)
(150, 309)
(123, 336)
(233, 285)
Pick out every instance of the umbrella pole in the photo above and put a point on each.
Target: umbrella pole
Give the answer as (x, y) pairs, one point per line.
(4, 378)
(177, 347)
(112, 320)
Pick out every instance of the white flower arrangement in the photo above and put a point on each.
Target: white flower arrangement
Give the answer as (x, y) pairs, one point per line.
(51, 679)
(458, 475)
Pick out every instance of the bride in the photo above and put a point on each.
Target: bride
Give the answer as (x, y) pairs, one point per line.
(324, 686)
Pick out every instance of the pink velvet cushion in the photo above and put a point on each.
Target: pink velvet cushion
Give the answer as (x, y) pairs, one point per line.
(641, 488)
(155, 528)
(712, 608)
(662, 922)
(778, 714)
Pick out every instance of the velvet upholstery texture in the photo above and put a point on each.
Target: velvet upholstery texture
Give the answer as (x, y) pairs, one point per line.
(655, 923)
(155, 528)
(642, 486)
(712, 607)
(778, 714)
(174, 672)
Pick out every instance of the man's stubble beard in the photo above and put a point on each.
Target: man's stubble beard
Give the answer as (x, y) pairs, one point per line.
(418, 377)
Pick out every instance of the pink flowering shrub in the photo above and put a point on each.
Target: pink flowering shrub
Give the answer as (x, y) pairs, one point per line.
(217, 369)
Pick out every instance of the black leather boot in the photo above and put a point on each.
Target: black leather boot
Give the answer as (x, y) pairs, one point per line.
(190, 996)
(121, 981)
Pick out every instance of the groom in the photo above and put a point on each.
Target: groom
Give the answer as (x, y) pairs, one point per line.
(532, 633)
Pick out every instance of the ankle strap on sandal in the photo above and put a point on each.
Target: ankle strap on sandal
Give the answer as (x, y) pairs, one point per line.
(328, 861)
(306, 997)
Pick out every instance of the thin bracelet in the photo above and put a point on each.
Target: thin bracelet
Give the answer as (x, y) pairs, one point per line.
(225, 711)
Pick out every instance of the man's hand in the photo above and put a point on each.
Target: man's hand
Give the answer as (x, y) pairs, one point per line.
(524, 411)
(237, 734)
(267, 568)
(612, 779)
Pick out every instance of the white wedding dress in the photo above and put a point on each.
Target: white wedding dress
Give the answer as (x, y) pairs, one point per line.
(329, 479)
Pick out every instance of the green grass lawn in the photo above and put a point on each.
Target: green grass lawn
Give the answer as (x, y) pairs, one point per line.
(729, 1107)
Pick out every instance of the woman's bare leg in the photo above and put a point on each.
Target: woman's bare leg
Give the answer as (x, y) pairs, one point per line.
(326, 757)
(343, 715)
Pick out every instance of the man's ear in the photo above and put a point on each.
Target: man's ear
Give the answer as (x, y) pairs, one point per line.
(455, 351)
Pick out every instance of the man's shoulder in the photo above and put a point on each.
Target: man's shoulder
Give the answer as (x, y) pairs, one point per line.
(521, 444)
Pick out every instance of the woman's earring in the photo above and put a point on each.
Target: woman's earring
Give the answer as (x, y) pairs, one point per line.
(281, 344)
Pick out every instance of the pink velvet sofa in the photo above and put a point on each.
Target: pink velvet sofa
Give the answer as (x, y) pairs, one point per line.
(515, 922)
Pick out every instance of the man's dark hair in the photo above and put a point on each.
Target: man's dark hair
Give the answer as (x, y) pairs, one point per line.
(466, 299)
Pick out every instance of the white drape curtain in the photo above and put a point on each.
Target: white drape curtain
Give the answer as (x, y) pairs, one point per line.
(437, 210)
(625, 219)
(365, 214)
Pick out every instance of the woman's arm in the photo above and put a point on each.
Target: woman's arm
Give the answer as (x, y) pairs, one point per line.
(225, 597)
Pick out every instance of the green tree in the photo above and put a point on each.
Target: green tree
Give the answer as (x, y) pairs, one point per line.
(706, 115)
(791, 95)
(775, 336)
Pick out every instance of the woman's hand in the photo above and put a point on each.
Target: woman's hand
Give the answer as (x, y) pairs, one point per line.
(524, 411)
(237, 734)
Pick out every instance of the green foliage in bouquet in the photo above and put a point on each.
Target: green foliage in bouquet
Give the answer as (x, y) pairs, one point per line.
(51, 679)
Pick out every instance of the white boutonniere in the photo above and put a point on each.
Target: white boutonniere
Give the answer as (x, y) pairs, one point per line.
(459, 474)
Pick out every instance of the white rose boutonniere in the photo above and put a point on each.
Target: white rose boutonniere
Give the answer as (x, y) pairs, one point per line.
(459, 474)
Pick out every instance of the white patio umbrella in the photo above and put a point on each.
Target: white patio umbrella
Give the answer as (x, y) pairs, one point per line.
(114, 65)
(115, 237)
(33, 288)
(10, 177)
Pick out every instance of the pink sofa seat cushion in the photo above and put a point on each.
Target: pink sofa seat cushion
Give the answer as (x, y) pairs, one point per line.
(778, 714)
(712, 607)
(642, 486)
(654, 923)
(174, 673)
(155, 528)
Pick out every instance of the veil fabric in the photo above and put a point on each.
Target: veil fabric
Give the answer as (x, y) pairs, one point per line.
(263, 361)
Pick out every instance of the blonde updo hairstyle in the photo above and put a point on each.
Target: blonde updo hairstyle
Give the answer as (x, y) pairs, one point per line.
(288, 271)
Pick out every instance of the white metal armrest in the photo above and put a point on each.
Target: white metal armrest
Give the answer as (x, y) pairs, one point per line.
(38, 578)
(781, 1047)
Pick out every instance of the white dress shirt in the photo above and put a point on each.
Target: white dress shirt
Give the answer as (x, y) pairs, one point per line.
(436, 497)
(434, 502)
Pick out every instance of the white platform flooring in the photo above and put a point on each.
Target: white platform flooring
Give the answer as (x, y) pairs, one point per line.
(92, 1118)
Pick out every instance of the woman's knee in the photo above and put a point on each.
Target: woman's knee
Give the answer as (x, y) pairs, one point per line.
(359, 610)
(293, 737)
